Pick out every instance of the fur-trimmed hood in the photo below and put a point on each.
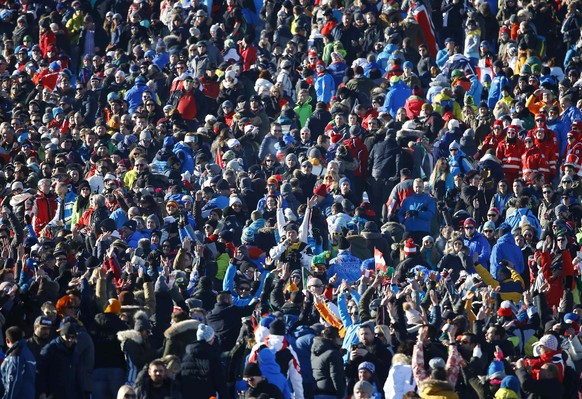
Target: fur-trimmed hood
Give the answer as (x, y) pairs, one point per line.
(180, 327)
(129, 335)
(436, 389)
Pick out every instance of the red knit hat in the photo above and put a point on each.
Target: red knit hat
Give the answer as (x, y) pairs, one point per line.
(320, 190)
(409, 247)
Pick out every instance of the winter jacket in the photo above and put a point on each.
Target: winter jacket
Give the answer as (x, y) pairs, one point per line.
(539, 389)
(384, 159)
(359, 151)
(506, 249)
(479, 244)
(272, 371)
(400, 381)
(43, 211)
(532, 162)
(510, 156)
(497, 84)
(424, 206)
(136, 353)
(104, 333)
(514, 219)
(435, 389)
(226, 322)
(61, 371)
(202, 373)
(396, 97)
(346, 266)
(510, 289)
(179, 336)
(18, 372)
(134, 95)
(328, 368)
(325, 87)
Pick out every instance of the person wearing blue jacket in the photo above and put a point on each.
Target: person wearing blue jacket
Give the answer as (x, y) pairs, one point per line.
(134, 95)
(505, 249)
(324, 83)
(476, 242)
(348, 312)
(345, 265)
(522, 210)
(18, 369)
(397, 95)
(458, 161)
(497, 84)
(417, 212)
(476, 89)
(244, 297)
(272, 371)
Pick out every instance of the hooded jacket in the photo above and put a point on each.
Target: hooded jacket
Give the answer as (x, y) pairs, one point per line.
(272, 371)
(180, 335)
(202, 372)
(505, 249)
(328, 368)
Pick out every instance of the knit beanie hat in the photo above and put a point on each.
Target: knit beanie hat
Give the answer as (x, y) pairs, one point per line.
(277, 327)
(252, 370)
(204, 333)
(364, 386)
(141, 321)
(409, 247)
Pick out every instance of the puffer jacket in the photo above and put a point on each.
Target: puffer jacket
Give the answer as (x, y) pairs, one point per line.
(201, 371)
(104, 333)
(328, 368)
(435, 389)
(179, 336)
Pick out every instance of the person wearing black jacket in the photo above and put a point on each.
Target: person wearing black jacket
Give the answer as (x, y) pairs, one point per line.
(370, 349)
(225, 319)
(327, 364)
(258, 384)
(383, 169)
(548, 385)
(202, 375)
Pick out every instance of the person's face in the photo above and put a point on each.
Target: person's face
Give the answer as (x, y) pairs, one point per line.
(291, 235)
(528, 143)
(315, 286)
(364, 375)
(41, 331)
(359, 394)
(469, 230)
(339, 120)
(489, 232)
(365, 336)
(490, 335)
(69, 340)
(244, 290)
(157, 374)
(253, 381)
(517, 187)
(562, 242)
(418, 187)
(458, 181)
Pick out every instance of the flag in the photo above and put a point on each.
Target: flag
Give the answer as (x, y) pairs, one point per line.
(379, 261)
(422, 17)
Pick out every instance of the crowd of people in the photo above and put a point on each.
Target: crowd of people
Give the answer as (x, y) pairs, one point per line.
(290, 199)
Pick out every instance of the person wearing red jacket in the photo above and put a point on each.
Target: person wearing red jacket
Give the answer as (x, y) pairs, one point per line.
(574, 146)
(492, 140)
(248, 53)
(509, 152)
(533, 161)
(549, 353)
(548, 146)
(557, 267)
(43, 207)
(359, 151)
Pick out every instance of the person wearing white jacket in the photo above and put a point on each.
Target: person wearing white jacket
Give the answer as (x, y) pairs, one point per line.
(400, 379)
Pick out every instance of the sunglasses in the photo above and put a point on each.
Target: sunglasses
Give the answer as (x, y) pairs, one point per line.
(244, 289)
(488, 231)
(546, 192)
(492, 215)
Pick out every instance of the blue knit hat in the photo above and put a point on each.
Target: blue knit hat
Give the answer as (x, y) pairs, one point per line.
(511, 382)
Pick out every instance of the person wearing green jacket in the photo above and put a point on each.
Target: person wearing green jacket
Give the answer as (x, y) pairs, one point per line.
(303, 108)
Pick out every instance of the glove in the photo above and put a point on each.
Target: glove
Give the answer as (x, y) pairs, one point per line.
(477, 351)
(411, 213)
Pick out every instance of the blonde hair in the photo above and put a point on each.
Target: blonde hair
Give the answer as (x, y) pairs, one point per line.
(123, 390)
(401, 358)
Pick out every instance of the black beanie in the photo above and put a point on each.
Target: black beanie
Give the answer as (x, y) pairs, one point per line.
(343, 244)
(277, 327)
(252, 370)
